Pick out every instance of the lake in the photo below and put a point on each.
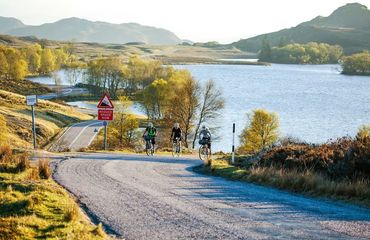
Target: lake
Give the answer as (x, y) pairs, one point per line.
(314, 102)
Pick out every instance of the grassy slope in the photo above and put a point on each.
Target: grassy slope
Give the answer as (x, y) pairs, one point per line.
(23, 87)
(167, 53)
(50, 117)
(307, 183)
(42, 209)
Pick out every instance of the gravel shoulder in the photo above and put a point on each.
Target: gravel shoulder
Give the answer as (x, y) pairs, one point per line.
(141, 197)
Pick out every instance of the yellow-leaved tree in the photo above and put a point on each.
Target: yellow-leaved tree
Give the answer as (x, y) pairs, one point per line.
(262, 131)
(47, 61)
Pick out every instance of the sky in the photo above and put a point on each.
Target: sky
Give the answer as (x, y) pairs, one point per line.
(224, 21)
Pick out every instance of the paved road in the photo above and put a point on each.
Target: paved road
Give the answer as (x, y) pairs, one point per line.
(77, 136)
(65, 91)
(161, 198)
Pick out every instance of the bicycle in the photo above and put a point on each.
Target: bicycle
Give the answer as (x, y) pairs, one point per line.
(149, 147)
(176, 147)
(204, 151)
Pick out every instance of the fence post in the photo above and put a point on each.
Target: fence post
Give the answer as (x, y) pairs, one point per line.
(233, 148)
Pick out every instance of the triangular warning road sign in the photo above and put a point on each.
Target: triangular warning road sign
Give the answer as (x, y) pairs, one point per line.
(105, 102)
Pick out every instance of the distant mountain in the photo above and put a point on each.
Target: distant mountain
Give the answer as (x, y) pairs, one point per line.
(7, 24)
(82, 30)
(348, 26)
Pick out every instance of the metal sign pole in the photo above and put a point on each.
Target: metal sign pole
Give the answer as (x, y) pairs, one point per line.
(33, 127)
(105, 135)
(233, 148)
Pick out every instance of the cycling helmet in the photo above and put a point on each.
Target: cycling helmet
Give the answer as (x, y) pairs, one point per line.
(150, 124)
(176, 125)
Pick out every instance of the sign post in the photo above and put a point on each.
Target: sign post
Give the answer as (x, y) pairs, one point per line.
(105, 113)
(233, 148)
(32, 101)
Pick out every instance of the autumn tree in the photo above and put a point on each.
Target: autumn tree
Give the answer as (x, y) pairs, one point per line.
(211, 102)
(33, 58)
(184, 104)
(17, 66)
(47, 64)
(261, 132)
(4, 67)
(61, 58)
(125, 123)
(155, 98)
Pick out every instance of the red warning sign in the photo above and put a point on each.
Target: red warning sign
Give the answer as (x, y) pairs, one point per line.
(105, 114)
(105, 102)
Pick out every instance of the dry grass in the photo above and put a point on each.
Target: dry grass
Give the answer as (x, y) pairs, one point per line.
(50, 118)
(34, 208)
(44, 169)
(23, 87)
(307, 182)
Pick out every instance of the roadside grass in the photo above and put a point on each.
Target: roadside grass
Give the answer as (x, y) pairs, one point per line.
(50, 118)
(308, 182)
(33, 206)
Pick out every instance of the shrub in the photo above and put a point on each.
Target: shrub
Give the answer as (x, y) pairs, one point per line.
(71, 213)
(262, 131)
(342, 158)
(44, 169)
(6, 154)
(33, 174)
(23, 163)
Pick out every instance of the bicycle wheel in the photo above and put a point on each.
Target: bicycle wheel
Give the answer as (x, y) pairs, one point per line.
(202, 153)
(178, 150)
(151, 149)
(174, 149)
(148, 148)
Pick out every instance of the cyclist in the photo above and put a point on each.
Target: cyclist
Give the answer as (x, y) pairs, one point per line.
(176, 133)
(150, 133)
(205, 136)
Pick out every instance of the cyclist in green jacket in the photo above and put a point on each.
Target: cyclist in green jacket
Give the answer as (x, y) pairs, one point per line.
(150, 133)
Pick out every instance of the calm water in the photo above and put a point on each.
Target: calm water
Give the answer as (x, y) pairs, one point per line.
(314, 103)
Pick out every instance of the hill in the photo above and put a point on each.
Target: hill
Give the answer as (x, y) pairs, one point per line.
(348, 26)
(50, 119)
(82, 30)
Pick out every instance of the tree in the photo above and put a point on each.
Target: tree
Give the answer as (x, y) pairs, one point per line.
(155, 98)
(356, 64)
(125, 122)
(265, 53)
(47, 61)
(74, 70)
(61, 58)
(184, 104)
(32, 55)
(3, 131)
(4, 67)
(211, 104)
(261, 132)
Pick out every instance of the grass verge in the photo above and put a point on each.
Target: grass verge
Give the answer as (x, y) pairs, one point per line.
(33, 206)
(308, 183)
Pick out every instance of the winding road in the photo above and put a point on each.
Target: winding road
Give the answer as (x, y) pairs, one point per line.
(77, 136)
(140, 197)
